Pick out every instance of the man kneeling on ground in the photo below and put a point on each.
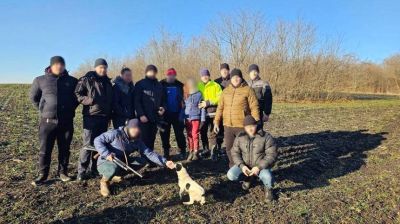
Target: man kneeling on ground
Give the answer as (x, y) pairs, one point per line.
(120, 143)
(254, 153)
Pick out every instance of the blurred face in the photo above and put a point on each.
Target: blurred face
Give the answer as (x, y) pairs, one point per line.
(101, 70)
(191, 85)
(127, 76)
(250, 129)
(57, 68)
(253, 74)
(151, 74)
(236, 80)
(205, 78)
(224, 73)
(171, 78)
(134, 132)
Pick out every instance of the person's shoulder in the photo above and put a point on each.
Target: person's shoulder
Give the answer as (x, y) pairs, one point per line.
(179, 83)
(87, 76)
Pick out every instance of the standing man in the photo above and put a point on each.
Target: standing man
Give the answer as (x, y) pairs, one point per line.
(263, 92)
(94, 91)
(149, 104)
(53, 95)
(254, 153)
(173, 114)
(223, 80)
(123, 98)
(237, 101)
(211, 92)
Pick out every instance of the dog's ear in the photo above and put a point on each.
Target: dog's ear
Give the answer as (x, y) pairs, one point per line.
(178, 166)
(187, 186)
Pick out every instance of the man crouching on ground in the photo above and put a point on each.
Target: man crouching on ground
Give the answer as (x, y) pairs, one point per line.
(254, 153)
(120, 143)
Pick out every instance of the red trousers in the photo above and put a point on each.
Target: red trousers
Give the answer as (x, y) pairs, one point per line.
(193, 130)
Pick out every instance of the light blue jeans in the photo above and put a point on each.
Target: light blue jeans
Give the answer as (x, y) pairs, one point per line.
(265, 175)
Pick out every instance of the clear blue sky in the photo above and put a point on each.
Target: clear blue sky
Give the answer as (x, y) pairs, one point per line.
(33, 31)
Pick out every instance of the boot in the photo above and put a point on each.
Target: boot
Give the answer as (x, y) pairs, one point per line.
(117, 179)
(246, 185)
(64, 177)
(104, 187)
(204, 153)
(269, 194)
(214, 155)
(41, 179)
(80, 177)
(195, 156)
(190, 157)
(182, 155)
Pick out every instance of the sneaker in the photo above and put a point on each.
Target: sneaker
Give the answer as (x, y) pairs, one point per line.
(204, 153)
(190, 157)
(182, 155)
(195, 156)
(80, 177)
(41, 179)
(104, 187)
(64, 177)
(246, 185)
(269, 194)
(214, 153)
(117, 179)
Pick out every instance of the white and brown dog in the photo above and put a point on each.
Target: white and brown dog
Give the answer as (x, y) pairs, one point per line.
(186, 183)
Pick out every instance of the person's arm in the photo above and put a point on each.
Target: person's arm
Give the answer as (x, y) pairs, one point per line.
(237, 154)
(271, 153)
(35, 93)
(75, 99)
(117, 108)
(253, 105)
(138, 100)
(267, 93)
(151, 155)
(81, 92)
(218, 93)
(219, 112)
(102, 141)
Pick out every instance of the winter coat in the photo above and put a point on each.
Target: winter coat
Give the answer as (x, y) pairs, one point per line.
(235, 104)
(123, 99)
(223, 82)
(174, 96)
(260, 151)
(211, 92)
(192, 110)
(149, 97)
(263, 93)
(95, 93)
(117, 141)
(54, 95)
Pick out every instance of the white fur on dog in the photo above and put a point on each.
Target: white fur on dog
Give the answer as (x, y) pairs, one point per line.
(186, 183)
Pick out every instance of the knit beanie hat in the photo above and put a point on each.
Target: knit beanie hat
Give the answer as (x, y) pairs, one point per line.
(57, 59)
(100, 61)
(223, 66)
(171, 71)
(254, 67)
(151, 68)
(249, 120)
(237, 72)
(204, 72)
(133, 123)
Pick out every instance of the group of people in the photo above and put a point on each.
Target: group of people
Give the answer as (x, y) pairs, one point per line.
(225, 110)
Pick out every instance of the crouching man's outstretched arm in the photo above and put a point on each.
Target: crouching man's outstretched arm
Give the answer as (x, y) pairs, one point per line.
(155, 157)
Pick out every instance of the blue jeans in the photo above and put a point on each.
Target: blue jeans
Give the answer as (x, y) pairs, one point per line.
(109, 169)
(265, 175)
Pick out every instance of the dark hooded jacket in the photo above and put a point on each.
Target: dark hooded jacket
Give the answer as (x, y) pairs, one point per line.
(123, 99)
(95, 93)
(223, 82)
(173, 96)
(149, 97)
(263, 93)
(260, 151)
(54, 95)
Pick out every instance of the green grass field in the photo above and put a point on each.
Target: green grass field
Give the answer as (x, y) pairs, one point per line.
(338, 163)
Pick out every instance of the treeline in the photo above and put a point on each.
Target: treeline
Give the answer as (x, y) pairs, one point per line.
(298, 65)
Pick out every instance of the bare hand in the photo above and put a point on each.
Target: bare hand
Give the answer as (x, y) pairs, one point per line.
(161, 111)
(216, 129)
(110, 157)
(255, 171)
(246, 171)
(143, 119)
(203, 104)
(170, 164)
(265, 118)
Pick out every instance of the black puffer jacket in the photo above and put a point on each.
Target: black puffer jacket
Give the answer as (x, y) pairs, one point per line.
(149, 97)
(263, 93)
(260, 151)
(123, 101)
(223, 82)
(54, 95)
(95, 93)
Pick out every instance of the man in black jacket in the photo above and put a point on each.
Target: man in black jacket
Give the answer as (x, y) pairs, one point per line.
(94, 92)
(123, 98)
(253, 153)
(225, 77)
(53, 94)
(262, 90)
(149, 104)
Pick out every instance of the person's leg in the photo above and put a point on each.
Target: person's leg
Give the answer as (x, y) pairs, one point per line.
(204, 134)
(149, 132)
(101, 126)
(107, 170)
(179, 135)
(266, 177)
(64, 137)
(118, 122)
(189, 126)
(195, 134)
(84, 155)
(234, 173)
(229, 138)
(47, 138)
(165, 137)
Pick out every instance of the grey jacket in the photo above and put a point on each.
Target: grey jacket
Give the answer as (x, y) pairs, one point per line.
(260, 151)
(263, 93)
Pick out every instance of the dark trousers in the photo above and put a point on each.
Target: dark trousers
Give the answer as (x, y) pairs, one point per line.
(148, 133)
(208, 136)
(119, 121)
(178, 126)
(230, 134)
(49, 132)
(93, 126)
